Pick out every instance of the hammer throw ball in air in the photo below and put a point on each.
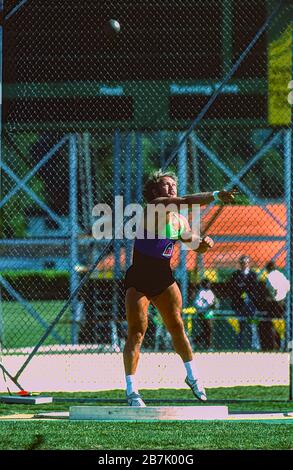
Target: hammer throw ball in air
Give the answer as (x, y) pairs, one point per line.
(112, 28)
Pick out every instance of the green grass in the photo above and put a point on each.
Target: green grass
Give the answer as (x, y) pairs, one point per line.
(65, 435)
(22, 330)
(142, 436)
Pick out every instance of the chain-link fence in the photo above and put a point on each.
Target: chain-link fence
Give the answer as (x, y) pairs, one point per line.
(89, 111)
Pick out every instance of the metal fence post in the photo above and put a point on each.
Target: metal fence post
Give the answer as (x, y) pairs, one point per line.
(127, 189)
(139, 167)
(88, 173)
(117, 242)
(288, 184)
(182, 177)
(73, 220)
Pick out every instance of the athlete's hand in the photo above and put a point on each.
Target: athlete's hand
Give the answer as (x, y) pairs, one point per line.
(228, 196)
(205, 244)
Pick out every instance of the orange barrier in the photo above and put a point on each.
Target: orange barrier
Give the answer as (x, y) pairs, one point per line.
(238, 221)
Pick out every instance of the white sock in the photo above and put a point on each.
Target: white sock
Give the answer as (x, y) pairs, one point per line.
(191, 369)
(130, 384)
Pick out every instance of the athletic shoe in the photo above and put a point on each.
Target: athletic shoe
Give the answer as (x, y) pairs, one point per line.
(197, 389)
(134, 399)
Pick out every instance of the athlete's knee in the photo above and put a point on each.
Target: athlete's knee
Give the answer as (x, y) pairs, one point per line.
(176, 327)
(136, 337)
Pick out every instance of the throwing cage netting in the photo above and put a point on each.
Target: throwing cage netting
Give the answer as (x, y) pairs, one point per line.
(200, 88)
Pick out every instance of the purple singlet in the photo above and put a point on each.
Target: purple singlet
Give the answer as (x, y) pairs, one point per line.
(157, 248)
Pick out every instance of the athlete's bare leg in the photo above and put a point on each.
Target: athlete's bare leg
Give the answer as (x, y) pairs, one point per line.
(169, 304)
(136, 304)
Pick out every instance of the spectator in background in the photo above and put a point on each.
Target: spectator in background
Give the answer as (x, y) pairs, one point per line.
(243, 288)
(277, 287)
(205, 301)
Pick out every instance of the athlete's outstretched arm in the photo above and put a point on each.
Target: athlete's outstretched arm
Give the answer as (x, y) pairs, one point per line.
(201, 198)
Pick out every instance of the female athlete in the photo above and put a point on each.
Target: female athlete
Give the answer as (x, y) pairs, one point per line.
(150, 279)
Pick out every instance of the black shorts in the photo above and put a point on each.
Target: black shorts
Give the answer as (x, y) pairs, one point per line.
(149, 276)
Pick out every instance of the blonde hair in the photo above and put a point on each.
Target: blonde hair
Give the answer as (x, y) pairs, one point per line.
(152, 181)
